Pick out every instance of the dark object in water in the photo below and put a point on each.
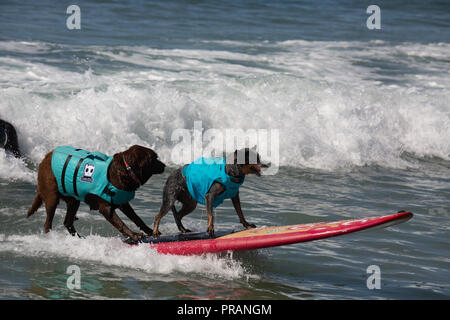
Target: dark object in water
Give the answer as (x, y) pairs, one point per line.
(8, 138)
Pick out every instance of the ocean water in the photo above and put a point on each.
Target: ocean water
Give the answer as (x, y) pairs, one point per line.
(363, 118)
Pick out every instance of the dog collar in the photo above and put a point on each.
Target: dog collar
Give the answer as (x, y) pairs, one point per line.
(131, 172)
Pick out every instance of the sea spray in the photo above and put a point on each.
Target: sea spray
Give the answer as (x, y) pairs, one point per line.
(113, 252)
(330, 108)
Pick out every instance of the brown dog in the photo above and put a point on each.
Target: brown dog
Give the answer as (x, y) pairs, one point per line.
(124, 173)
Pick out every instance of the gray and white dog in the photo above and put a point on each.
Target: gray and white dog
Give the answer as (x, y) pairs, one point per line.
(209, 184)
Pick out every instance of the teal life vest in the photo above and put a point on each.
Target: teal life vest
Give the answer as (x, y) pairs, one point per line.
(203, 172)
(79, 172)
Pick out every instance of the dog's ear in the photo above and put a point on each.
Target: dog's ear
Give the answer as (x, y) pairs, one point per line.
(235, 154)
(246, 156)
(146, 159)
(240, 156)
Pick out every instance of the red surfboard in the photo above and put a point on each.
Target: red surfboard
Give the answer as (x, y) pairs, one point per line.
(265, 237)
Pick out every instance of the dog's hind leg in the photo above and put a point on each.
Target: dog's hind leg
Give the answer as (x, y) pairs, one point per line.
(187, 208)
(50, 206)
(165, 207)
(72, 208)
(37, 202)
(177, 218)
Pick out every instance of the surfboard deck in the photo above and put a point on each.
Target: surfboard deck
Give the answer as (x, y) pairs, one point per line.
(195, 243)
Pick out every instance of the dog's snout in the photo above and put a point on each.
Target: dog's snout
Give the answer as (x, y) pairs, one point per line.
(160, 166)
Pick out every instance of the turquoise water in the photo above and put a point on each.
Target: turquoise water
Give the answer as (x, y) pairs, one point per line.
(363, 118)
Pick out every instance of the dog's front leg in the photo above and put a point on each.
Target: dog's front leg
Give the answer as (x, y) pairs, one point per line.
(129, 212)
(237, 206)
(110, 214)
(215, 189)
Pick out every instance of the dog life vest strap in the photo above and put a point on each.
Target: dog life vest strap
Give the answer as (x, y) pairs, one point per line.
(110, 193)
(75, 173)
(131, 172)
(63, 175)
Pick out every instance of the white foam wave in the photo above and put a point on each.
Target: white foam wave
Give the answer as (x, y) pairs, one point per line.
(13, 169)
(332, 110)
(113, 252)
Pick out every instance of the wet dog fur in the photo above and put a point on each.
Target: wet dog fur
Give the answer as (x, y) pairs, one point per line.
(8, 138)
(176, 189)
(143, 161)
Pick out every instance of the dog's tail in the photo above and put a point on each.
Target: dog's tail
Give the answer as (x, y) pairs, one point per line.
(35, 205)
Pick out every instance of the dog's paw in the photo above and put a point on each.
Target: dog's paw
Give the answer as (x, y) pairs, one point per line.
(137, 236)
(130, 241)
(249, 225)
(210, 231)
(156, 233)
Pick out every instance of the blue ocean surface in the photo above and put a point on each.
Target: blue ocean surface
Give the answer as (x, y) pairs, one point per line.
(363, 117)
